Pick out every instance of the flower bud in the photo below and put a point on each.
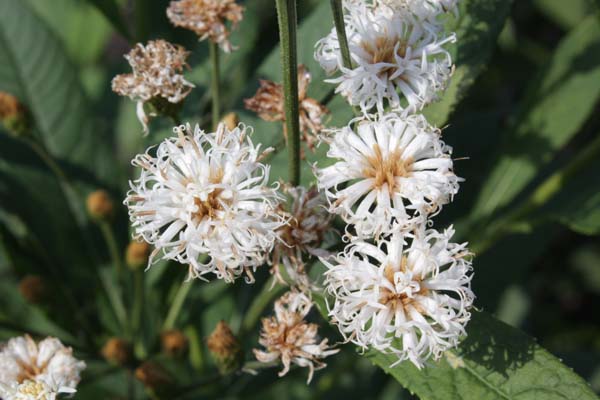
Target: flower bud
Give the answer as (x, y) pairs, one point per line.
(231, 120)
(117, 351)
(100, 205)
(153, 376)
(174, 342)
(136, 255)
(13, 114)
(225, 348)
(33, 289)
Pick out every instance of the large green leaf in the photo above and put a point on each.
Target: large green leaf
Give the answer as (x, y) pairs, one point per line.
(567, 14)
(558, 104)
(110, 9)
(494, 362)
(477, 30)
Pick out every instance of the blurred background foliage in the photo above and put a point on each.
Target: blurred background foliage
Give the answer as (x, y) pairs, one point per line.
(529, 94)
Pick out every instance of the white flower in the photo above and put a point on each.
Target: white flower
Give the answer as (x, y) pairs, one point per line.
(392, 53)
(206, 193)
(30, 370)
(288, 336)
(308, 222)
(427, 11)
(397, 170)
(408, 300)
(157, 74)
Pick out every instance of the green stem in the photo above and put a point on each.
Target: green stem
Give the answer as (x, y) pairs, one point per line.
(287, 20)
(215, 84)
(113, 249)
(261, 301)
(544, 192)
(177, 305)
(340, 27)
(138, 302)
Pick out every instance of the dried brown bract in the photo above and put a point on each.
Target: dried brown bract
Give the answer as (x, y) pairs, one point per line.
(268, 103)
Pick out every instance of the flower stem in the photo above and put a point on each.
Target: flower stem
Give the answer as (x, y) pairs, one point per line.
(215, 85)
(138, 301)
(261, 301)
(287, 20)
(113, 249)
(340, 27)
(177, 304)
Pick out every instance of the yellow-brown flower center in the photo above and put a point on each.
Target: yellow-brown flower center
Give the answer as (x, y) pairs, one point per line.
(384, 50)
(387, 169)
(209, 207)
(393, 299)
(29, 370)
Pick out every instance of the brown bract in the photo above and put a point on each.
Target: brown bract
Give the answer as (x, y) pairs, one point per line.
(207, 18)
(268, 103)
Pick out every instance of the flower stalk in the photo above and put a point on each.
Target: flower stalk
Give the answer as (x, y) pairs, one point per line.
(215, 84)
(287, 20)
(177, 304)
(340, 27)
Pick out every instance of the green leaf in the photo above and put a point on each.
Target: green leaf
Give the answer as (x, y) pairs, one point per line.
(557, 105)
(567, 14)
(495, 361)
(477, 30)
(110, 9)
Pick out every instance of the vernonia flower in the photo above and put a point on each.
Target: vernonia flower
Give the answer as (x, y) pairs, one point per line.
(287, 336)
(206, 193)
(268, 103)
(397, 170)
(393, 54)
(427, 11)
(410, 296)
(207, 18)
(308, 222)
(157, 76)
(37, 371)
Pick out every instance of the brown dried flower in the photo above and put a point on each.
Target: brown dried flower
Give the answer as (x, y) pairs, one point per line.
(287, 336)
(153, 376)
(157, 76)
(33, 289)
(13, 114)
(117, 351)
(207, 18)
(174, 342)
(224, 347)
(100, 205)
(308, 221)
(268, 103)
(137, 254)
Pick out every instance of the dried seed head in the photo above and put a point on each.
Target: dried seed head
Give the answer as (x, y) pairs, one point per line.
(117, 351)
(33, 289)
(225, 348)
(174, 342)
(231, 120)
(207, 18)
(268, 103)
(137, 254)
(99, 205)
(153, 376)
(13, 114)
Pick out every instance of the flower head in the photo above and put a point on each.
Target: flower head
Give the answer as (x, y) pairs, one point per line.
(427, 11)
(37, 371)
(287, 336)
(308, 222)
(207, 18)
(397, 170)
(268, 103)
(409, 296)
(157, 76)
(393, 54)
(206, 193)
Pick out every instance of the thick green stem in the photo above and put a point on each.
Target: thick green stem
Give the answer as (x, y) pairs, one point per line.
(215, 84)
(340, 27)
(177, 305)
(287, 19)
(542, 194)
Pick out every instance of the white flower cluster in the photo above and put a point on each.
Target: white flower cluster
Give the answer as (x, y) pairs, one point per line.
(37, 371)
(206, 193)
(399, 287)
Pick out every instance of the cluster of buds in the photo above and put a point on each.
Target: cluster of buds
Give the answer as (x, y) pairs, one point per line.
(398, 287)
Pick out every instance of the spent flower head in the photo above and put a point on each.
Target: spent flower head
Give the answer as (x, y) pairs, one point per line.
(289, 338)
(207, 18)
(308, 222)
(37, 371)
(157, 76)
(397, 60)
(397, 170)
(206, 193)
(409, 296)
(268, 103)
